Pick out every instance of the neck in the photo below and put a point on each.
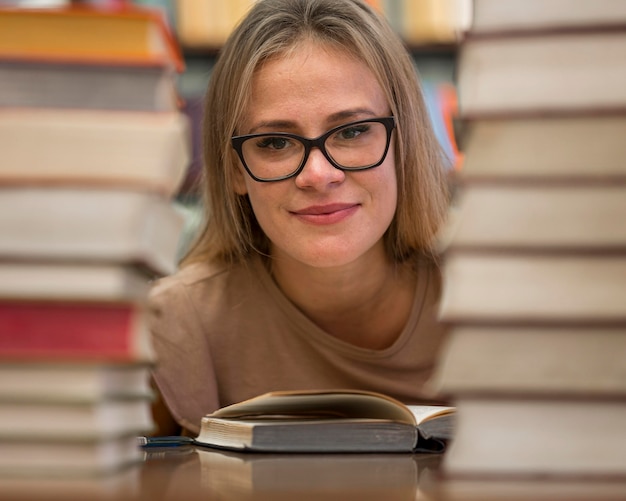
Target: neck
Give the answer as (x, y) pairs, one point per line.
(365, 303)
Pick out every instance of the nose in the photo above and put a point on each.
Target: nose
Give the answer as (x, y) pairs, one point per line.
(318, 172)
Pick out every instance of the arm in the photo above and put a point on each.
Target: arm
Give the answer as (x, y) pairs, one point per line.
(165, 424)
(184, 379)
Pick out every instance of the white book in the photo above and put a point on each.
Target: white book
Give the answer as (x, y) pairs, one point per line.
(86, 225)
(61, 420)
(501, 15)
(542, 73)
(58, 381)
(143, 150)
(42, 280)
(538, 436)
(533, 288)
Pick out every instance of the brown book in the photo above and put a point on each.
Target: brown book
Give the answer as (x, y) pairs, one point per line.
(429, 21)
(206, 24)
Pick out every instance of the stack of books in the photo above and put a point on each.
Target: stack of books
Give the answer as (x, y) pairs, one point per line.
(94, 147)
(535, 254)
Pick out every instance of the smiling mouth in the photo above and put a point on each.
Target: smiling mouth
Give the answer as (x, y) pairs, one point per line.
(326, 214)
(324, 210)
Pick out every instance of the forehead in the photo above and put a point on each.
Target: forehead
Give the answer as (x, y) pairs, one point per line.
(314, 77)
(304, 51)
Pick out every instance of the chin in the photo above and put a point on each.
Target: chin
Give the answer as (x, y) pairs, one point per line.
(325, 257)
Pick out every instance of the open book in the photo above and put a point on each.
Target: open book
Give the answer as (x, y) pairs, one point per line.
(327, 421)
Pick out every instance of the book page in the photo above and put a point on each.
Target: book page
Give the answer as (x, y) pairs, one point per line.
(426, 412)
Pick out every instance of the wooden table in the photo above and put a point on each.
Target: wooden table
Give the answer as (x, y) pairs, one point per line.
(191, 473)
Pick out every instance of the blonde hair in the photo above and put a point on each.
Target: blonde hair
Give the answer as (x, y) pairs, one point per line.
(272, 27)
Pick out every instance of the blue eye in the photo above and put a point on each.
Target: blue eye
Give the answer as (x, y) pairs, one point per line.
(353, 131)
(273, 142)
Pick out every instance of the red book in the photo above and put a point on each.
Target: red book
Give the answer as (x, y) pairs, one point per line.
(60, 330)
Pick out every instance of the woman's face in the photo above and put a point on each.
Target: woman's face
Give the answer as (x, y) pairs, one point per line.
(323, 217)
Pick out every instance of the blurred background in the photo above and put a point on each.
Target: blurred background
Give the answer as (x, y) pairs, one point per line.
(430, 28)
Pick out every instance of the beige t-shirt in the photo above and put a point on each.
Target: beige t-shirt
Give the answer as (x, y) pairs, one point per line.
(227, 334)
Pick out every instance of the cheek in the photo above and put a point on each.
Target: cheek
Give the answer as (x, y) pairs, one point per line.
(239, 181)
(262, 201)
(388, 181)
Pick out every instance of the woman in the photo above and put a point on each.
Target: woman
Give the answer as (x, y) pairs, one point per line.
(324, 188)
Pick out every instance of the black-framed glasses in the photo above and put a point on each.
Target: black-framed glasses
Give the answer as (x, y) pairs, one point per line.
(353, 146)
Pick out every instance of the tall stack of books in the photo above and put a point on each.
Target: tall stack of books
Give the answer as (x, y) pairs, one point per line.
(535, 254)
(94, 147)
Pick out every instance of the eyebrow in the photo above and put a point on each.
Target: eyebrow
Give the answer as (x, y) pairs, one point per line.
(344, 115)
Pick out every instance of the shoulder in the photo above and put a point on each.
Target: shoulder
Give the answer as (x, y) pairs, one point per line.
(187, 281)
(201, 289)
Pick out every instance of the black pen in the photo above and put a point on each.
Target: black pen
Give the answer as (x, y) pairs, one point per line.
(165, 441)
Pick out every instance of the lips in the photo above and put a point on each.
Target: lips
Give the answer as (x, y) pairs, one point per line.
(326, 214)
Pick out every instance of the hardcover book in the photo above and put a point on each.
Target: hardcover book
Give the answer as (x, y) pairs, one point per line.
(327, 421)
